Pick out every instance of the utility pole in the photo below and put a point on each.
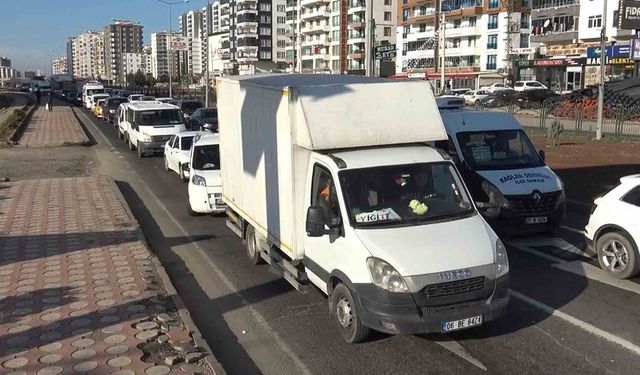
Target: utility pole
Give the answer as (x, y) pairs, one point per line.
(443, 26)
(512, 30)
(206, 86)
(603, 55)
(169, 55)
(372, 41)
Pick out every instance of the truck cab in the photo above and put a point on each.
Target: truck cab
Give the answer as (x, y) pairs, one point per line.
(329, 179)
(509, 180)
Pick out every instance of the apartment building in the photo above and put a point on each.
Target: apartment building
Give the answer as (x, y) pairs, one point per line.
(146, 60)
(193, 26)
(87, 54)
(482, 39)
(120, 38)
(59, 66)
(160, 59)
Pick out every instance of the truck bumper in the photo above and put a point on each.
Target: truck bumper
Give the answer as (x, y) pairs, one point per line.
(409, 318)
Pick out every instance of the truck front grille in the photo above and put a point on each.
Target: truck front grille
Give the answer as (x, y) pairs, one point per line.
(454, 287)
(528, 204)
(160, 138)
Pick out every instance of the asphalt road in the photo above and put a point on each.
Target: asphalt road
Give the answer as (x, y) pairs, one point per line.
(565, 315)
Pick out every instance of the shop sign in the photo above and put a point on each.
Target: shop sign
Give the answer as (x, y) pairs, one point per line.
(612, 51)
(635, 49)
(629, 14)
(552, 62)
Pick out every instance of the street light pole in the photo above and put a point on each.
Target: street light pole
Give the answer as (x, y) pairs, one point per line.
(206, 86)
(169, 55)
(603, 55)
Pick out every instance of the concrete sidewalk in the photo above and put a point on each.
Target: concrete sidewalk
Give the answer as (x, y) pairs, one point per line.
(56, 128)
(79, 291)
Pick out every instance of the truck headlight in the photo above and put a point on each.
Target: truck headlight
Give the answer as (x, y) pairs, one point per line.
(385, 276)
(145, 137)
(502, 260)
(198, 180)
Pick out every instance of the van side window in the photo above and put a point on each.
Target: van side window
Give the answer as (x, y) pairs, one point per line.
(323, 193)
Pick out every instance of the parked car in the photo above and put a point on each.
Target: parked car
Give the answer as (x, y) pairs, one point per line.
(204, 119)
(495, 87)
(460, 92)
(189, 106)
(528, 85)
(166, 100)
(205, 184)
(535, 98)
(613, 232)
(135, 97)
(97, 108)
(148, 98)
(111, 106)
(498, 98)
(176, 152)
(74, 98)
(121, 92)
(470, 97)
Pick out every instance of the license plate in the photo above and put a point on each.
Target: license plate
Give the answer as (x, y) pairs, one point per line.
(455, 325)
(536, 220)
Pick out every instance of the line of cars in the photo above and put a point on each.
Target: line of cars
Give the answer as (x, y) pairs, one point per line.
(525, 94)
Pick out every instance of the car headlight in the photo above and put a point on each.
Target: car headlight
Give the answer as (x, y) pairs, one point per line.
(112, 111)
(385, 276)
(198, 180)
(494, 194)
(145, 138)
(502, 260)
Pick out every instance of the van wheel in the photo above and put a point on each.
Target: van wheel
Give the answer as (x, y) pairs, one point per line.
(120, 136)
(130, 144)
(251, 245)
(346, 314)
(190, 211)
(140, 153)
(166, 164)
(180, 172)
(617, 255)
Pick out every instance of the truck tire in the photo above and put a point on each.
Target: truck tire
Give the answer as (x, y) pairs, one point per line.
(130, 144)
(345, 312)
(251, 245)
(617, 255)
(140, 153)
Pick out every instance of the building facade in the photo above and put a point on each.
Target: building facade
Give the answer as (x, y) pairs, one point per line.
(120, 38)
(59, 66)
(146, 60)
(87, 55)
(5, 62)
(161, 60)
(193, 26)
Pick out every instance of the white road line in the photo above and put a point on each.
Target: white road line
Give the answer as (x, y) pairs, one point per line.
(216, 270)
(529, 250)
(554, 242)
(459, 350)
(579, 231)
(596, 273)
(578, 323)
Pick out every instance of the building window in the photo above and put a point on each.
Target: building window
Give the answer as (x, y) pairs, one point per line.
(335, 6)
(524, 40)
(595, 22)
(335, 65)
(387, 2)
(491, 62)
(524, 21)
(493, 4)
(492, 42)
(423, 27)
(471, 41)
(493, 22)
(387, 31)
(335, 50)
(335, 20)
(472, 21)
(335, 35)
(387, 16)
(405, 14)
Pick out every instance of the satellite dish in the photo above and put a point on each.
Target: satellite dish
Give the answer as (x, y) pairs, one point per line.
(546, 23)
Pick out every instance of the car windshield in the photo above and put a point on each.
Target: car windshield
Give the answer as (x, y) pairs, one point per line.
(209, 113)
(498, 149)
(206, 158)
(159, 117)
(404, 194)
(116, 102)
(185, 145)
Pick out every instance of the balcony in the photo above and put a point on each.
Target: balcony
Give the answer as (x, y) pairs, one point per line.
(309, 3)
(357, 23)
(357, 7)
(247, 32)
(420, 54)
(317, 42)
(356, 55)
(247, 10)
(463, 31)
(356, 38)
(567, 36)
(538, 5)
(315, 29)
(240, 2)
(315, 14)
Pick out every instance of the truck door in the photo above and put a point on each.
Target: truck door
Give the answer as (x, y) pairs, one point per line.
(329, 252)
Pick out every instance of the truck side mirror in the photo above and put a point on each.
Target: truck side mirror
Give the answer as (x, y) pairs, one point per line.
(542, 155)
(316, 220)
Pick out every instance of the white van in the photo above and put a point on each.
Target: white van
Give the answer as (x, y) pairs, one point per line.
(147, 126)
(509, 180)
(89, 89)
(327, 179)
(205, 185)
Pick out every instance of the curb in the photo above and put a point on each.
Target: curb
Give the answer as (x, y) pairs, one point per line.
(90, 140)
(19, 130)
(185, 315)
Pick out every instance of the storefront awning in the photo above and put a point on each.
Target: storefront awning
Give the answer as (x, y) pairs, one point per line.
(453, 75)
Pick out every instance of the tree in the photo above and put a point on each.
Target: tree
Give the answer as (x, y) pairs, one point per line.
(151, 81)
(139, 79)
(163, 78)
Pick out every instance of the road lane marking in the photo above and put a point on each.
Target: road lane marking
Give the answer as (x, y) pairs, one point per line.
(574, 230)
(459, 350)
(596, 273)
(529, 250)
(554, 242)
(578, 323)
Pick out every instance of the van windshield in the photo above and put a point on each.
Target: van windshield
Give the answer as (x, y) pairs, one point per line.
(404, 194)
(95, 91)
(498, 149)
(158, 117)
(206, 158)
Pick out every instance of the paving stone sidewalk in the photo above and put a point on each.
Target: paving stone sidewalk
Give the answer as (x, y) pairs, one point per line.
(56, 128)
(79, 291)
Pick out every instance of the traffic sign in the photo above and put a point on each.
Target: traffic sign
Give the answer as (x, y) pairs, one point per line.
(385, 51)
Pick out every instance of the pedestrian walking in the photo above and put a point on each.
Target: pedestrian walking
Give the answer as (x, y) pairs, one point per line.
(38, 95)
(50, 101)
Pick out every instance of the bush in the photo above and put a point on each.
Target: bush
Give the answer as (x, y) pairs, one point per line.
(12, 122)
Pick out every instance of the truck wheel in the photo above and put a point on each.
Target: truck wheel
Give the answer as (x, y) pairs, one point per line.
(166, 164)
(140, 153)
(346, 314)
(252, 246)
(130, 144)
(617, 255)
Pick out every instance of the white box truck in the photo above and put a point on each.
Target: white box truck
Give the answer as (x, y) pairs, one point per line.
(329, 179)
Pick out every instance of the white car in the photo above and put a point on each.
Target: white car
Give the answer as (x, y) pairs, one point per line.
(495, 87)
(176, 152)
(205, 183)
(613, 230)
(135, 97)
(528, 85)
(471, 97)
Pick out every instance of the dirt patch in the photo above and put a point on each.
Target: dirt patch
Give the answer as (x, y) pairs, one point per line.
(588, 167)
(19, 163)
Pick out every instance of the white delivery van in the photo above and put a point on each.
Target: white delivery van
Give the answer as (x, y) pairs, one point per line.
(327, 179)
(147, 126)
(509, 180)
(89, 89)
(205, 185)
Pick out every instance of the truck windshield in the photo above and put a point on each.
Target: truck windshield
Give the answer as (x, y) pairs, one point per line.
(206, 158)
(498, 149)
(159, 117)
(404, 194)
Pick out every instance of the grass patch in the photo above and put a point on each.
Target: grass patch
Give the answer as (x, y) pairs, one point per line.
(11, 123)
